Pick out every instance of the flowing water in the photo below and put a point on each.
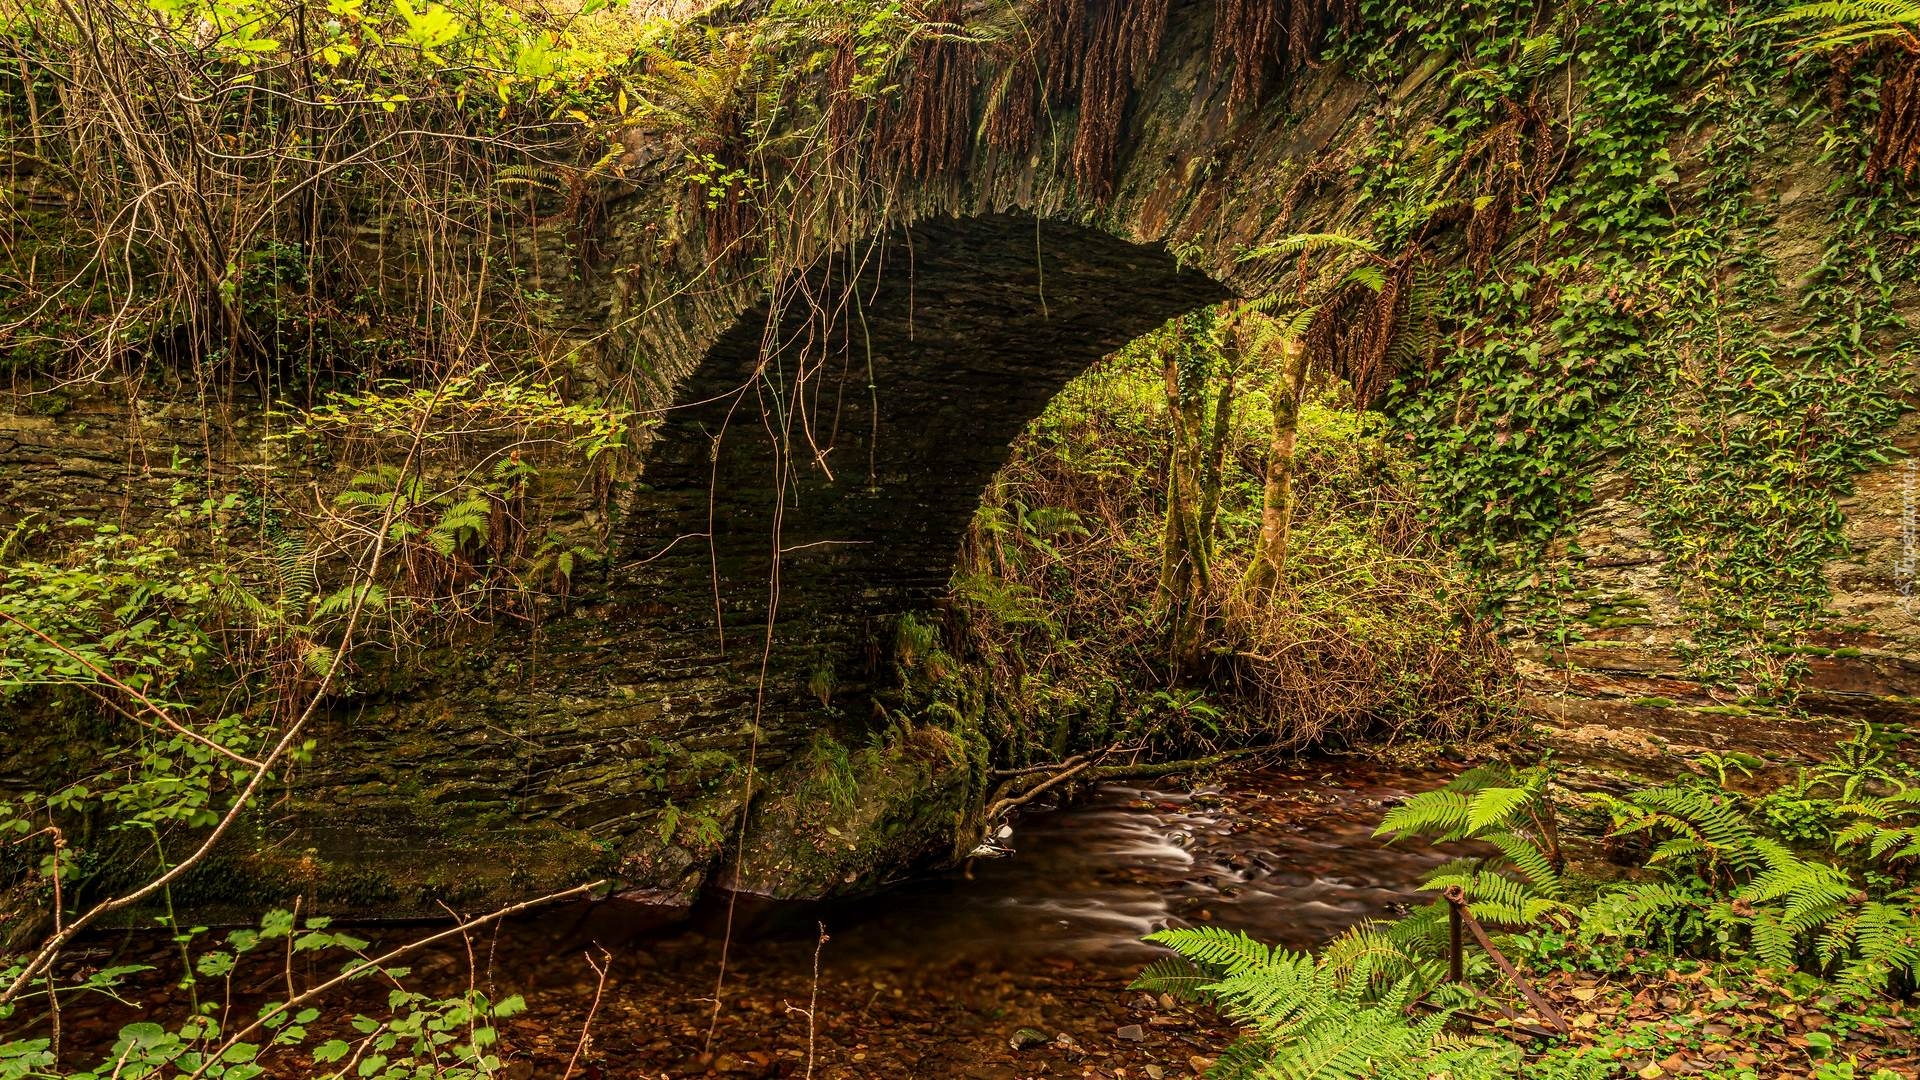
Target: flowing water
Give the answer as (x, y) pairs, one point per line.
(1013, 967)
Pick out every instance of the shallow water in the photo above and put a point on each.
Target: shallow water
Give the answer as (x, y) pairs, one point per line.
(1286, 856)
(935, 977)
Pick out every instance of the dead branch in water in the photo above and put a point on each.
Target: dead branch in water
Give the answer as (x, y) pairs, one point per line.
(1081, 766)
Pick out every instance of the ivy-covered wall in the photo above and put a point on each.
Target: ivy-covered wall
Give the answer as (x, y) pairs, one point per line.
(1668, 414)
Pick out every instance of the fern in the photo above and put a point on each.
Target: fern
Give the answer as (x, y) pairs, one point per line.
(298, 572)
(1640, 909)
(1308, 243)
(1343, 1016)
(372, 597)
(1510, 811)
(1173, 975)
(1226, 952)
(1853, 21)
(317, 659)
(463, 525)
(1729, 880)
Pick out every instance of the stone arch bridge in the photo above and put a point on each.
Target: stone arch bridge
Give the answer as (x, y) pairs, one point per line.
(930, 337)
(620, 738)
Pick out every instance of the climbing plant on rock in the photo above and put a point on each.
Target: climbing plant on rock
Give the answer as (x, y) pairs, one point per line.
(1627, 318)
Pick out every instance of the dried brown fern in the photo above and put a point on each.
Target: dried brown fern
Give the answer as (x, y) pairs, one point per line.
(1359, 333)
(1896, 139)
(1063, 42)
(1251, 35)
(1123, 40)
(1512, 157)
(845, 116)
(1013, 110)
(930, 133)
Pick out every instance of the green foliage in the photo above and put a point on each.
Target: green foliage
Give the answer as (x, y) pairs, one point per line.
(118, 607)
(1343, 1016)
(1373, 631)
(833, 773)
(466, 407)
(1726, 889)
(1730, 881)
(1632, 315)
(1519, 883)
(418, 1036)
(1852, 22)
(129, 627)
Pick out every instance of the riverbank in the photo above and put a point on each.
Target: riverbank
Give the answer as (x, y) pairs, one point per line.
(1009, 967)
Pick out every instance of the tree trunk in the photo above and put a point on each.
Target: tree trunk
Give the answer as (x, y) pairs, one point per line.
(1173, 551)
(1216, 461)
(1192, 497)
(1268, 567)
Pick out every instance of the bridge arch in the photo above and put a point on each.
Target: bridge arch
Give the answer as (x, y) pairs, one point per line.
(827, 454)
(632, 733)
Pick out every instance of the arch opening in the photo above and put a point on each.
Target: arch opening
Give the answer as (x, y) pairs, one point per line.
(854, 423)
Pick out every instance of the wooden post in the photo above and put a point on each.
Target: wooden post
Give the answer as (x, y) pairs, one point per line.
(1456, 943)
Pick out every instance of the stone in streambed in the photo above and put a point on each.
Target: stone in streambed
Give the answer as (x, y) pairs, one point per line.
(1027, 1038)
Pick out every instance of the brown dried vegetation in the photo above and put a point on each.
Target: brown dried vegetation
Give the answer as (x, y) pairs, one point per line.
(930, 131)
(1896, 142)
(1250, 35)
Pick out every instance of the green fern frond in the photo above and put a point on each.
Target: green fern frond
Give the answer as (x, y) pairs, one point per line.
(1525, 858)
(1172, 975)
(1496, 806)
(1304, 243)
(238, 599)
(299, 577)
(373, 597)
(317, 659)
(1440, 814)
(1773, 941)
(1225, 951)
(1847, 11)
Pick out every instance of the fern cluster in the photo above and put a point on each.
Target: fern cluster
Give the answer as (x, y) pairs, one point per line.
(1375, 1002)
(1514, 880)
(1347, 1014)
(1728, 882)
(1351, 1010)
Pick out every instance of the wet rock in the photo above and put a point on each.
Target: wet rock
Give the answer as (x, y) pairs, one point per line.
(1131, 1033)
(1027, 1038)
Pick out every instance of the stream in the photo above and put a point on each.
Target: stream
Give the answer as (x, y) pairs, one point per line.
(1012, 967)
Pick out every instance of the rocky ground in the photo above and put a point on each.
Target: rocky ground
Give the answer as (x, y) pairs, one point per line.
(1021, 969)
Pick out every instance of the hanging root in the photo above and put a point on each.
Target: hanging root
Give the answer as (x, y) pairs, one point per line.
(1090, 55)
(1896, 140)
(1250, 35)
(930, 134)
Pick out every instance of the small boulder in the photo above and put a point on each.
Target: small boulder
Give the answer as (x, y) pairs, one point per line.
(1027, 1038)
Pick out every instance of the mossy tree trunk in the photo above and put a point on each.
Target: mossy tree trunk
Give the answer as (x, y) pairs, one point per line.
(1268, 567)
(1196, 467)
